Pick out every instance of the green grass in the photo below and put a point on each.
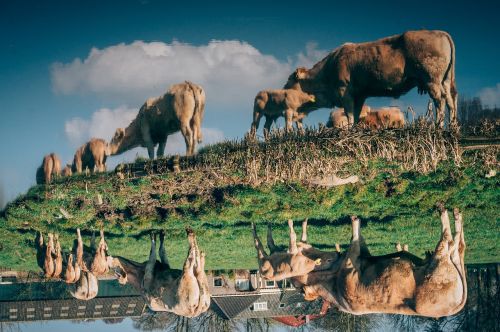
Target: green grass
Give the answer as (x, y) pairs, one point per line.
(394, 205)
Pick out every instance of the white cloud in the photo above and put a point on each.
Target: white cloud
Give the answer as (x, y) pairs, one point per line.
(230, 71)
(311, 56)
(102, 124)
(490, 96)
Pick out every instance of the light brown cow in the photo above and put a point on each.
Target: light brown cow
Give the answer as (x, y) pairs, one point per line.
(51, 167)
(338, 118)
(91, 155)
(398, 283)
(388, 67)
(276, 103)
(180, 108)
(383, 118)
(184, 292)
(49, 255)
(300, 259)
(99, 264)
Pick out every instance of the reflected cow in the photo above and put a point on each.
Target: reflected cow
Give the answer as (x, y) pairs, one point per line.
(398, 283)
(184, 292)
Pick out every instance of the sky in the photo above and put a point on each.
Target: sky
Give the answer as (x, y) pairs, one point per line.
(71, 70)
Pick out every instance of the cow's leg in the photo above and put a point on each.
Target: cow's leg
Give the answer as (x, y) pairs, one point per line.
(289, 120)
(303, 238)
(358, 106)
(147, 282)
(267, 126)
(270, 241)
(458, 241)
(354, 250)
(261, 253)
(190, 262)
(348, 104)
(436, 92)
(255, 123)
(161, 252)
(292, 248)
(161, 148)
(450, 95)
(148, 142)
(188, 137)
(442, 249)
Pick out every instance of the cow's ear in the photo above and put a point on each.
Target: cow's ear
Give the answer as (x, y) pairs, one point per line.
(119, 133)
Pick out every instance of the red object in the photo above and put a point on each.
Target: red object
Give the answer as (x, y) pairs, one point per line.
(300, 320)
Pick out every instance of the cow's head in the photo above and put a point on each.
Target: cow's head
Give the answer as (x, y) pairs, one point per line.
(118, 136)
(295, 78)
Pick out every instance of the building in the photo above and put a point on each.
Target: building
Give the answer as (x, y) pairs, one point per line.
(245, 294)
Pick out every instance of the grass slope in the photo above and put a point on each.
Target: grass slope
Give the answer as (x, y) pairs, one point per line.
(394, 203)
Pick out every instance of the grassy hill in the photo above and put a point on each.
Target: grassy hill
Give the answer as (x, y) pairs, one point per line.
(225, 187)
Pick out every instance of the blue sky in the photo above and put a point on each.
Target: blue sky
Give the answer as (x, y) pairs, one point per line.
(55, 92)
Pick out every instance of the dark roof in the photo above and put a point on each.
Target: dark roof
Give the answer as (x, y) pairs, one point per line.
(241, 306)
(48, 300)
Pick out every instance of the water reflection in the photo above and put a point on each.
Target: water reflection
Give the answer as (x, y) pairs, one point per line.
(25, 298)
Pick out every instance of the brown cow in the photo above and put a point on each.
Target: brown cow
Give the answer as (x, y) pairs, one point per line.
(398, 283)
(300, 259)
(51, 167)
(388, 67)
(184, 292)
(383, 118)
(91, 155)
(275, 103)
(338, 118)
(180, 108)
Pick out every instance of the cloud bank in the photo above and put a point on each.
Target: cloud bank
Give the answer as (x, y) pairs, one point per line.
(490, 96)
(230, 71)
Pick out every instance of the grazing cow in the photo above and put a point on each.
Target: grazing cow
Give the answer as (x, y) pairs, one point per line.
(388, 67)
(383, 118)
(338, 118)
(300, 259)
(184, 292)
(275, 103)
(180, 108)
(398, 283)
(51, 167)
(91, 155)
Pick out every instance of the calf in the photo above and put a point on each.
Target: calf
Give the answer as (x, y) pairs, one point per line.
(275, 103)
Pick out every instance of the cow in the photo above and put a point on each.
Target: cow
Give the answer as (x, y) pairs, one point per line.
(398, 283)
(184, 292)
(300, 259)
(383, 118)
(338, 118)
(180, 108)
(275, 103)
(91, 155)
(51, 167)
(388, 67)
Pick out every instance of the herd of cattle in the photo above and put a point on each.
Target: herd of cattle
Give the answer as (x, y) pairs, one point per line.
(345, 78)
(354, 281)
